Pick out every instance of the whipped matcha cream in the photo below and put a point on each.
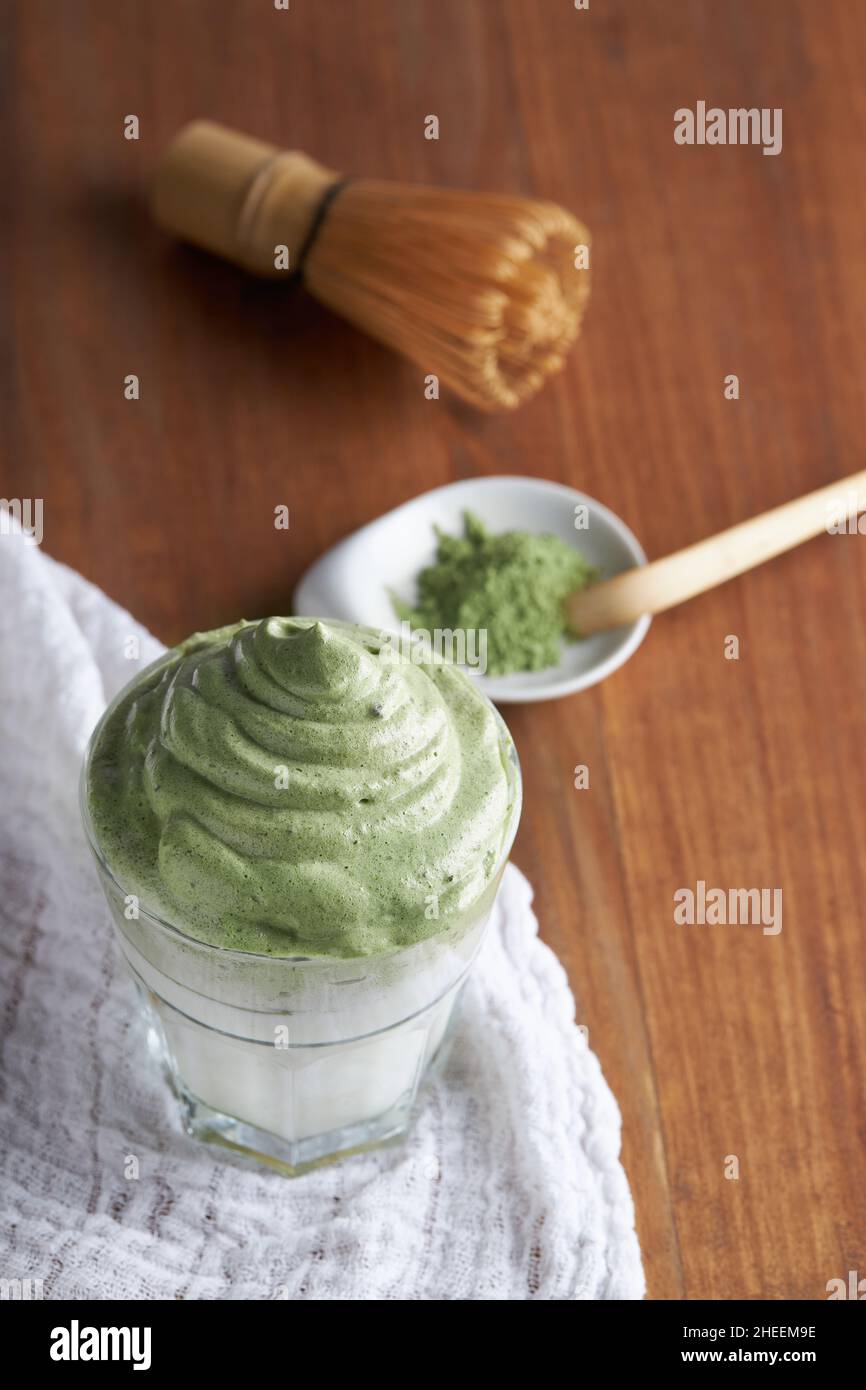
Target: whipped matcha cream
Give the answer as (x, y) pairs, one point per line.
(298, 788)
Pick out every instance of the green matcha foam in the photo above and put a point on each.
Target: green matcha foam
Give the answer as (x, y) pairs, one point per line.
(289, 787)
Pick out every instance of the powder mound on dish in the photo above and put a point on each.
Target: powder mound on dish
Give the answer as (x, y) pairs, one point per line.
(512, 585)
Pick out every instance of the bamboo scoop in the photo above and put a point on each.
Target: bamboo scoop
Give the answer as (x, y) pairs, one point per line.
(664, 583)
(483, 291)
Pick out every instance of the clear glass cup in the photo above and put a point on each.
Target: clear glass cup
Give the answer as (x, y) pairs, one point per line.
(297, 1061)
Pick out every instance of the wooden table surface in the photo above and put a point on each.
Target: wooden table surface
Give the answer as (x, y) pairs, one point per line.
(717, 1040)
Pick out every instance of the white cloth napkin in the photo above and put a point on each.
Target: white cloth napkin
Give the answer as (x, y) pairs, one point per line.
(510, 1186)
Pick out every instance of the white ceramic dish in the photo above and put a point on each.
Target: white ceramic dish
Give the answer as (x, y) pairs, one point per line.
(353, 580)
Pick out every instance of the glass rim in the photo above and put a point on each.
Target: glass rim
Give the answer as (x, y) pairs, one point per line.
(511, 763)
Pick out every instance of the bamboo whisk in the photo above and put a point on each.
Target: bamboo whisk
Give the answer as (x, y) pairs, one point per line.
(480, 290)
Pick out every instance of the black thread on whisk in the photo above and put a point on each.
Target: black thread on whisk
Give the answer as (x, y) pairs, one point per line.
(319, 216)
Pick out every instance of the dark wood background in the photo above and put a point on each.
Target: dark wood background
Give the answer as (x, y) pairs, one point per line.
(707, 261)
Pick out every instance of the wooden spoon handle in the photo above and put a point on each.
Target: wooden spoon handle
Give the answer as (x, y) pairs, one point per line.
(664, 583)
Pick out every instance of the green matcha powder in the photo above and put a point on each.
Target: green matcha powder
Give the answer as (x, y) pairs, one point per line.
(513, 585)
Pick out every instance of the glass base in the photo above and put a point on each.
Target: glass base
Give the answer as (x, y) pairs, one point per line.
(292, 1158)
(302, 1156)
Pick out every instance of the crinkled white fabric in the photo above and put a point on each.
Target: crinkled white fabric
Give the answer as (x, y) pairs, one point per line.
(510, 1186)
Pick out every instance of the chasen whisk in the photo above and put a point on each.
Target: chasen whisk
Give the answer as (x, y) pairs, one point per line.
(485, 291)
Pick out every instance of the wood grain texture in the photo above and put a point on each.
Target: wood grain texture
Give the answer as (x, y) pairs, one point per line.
(707, 261)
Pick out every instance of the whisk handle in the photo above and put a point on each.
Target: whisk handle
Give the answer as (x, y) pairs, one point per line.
(655, 587)
(238, 197)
